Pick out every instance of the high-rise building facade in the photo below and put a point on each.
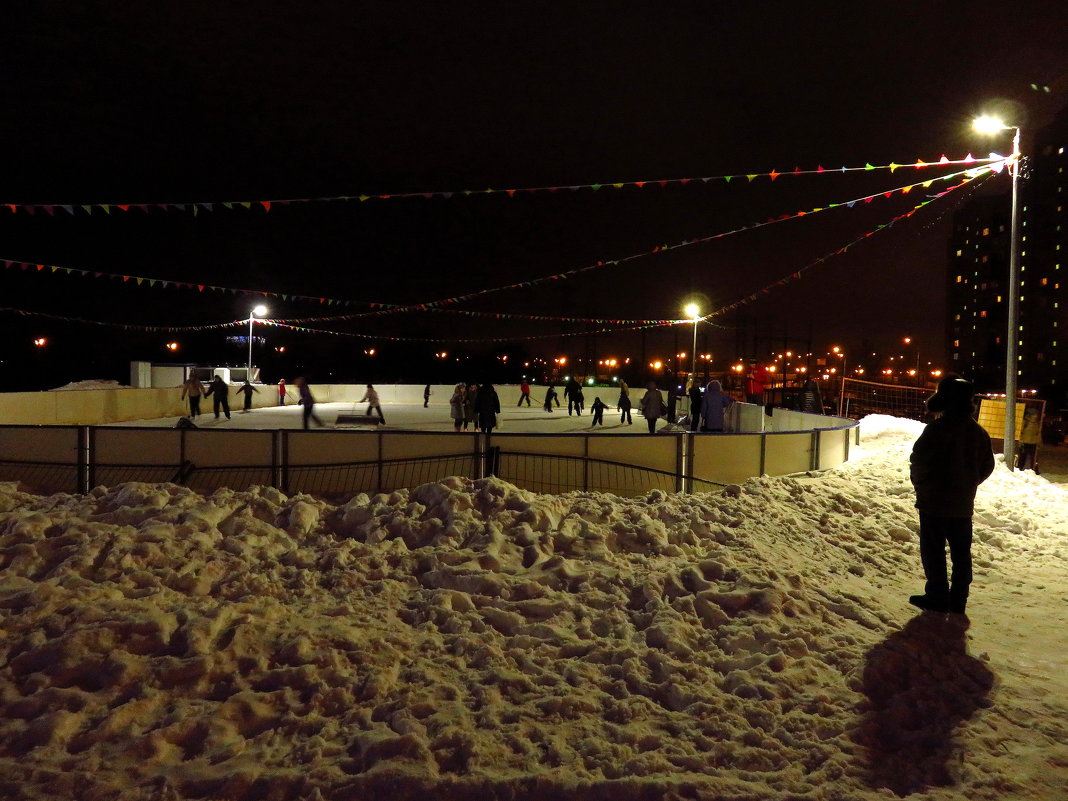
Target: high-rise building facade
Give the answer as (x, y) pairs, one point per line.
(979, 267)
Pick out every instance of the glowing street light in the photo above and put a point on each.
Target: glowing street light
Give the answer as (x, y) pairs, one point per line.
(693, 311)
(257, 311)
(988, 124)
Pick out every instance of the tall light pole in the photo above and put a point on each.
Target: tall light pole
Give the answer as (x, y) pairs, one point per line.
(694, 313)
(258, 311)
(990, 125)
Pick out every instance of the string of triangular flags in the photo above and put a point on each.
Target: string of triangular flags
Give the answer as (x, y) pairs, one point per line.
(796, 274)
(386, 308)
(198, 206)
(631, 325)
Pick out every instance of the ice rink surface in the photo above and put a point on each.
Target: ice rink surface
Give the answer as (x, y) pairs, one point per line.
(413, 417)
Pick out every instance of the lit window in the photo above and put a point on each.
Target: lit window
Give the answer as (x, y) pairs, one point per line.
(983, 312)
(986, 232)
(959, 277)
(1044, 281)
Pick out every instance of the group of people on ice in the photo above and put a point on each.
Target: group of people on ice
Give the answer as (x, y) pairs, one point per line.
(476, 406)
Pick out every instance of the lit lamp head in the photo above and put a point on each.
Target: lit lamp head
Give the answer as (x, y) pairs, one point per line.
(260, 310)
(988, 124)
(692, 311)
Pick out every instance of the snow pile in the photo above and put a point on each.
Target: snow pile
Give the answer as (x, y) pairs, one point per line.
(473, 640)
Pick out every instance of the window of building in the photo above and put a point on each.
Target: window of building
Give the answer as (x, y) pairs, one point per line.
(959, 278)
(1044, 281)
(956, 343)
(986, 232)
(983, 312)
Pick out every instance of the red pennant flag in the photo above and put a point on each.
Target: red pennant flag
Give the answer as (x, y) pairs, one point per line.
(797, 170)
(511, 192)
(266, 205)
(638, 184)
(820, 169)
(774, 175)
(50, 210)
(200, 287)
(125, 278)
(887, 194)
(124, 207)
(13, 207)
(40, 267)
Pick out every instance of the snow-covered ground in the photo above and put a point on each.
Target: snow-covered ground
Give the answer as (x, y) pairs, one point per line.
(470, 640)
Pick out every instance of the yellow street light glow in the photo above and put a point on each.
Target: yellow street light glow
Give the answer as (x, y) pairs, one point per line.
(988, 124)
(656, 365)
(260, 310)
(693, 311)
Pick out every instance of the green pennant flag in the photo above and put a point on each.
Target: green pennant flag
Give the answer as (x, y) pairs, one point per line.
(868, 167)
(247, 205)
(750, 177)
(106, 208)
(88, 209)
(727, 178)
(228, 205)
(595, 187)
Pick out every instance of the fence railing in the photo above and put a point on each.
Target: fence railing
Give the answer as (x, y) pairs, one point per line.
(49, 459)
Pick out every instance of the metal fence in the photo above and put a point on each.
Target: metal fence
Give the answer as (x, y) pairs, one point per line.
(73, 459)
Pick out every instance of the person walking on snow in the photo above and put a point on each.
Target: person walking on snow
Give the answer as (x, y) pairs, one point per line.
(754, 383)
(426, 396)
(372, 402)
(652, 406)
(713, 406)
(949, 461)
(578, 398)
(598, 412)
(281, 392)
(247, 389)
(220, 396)
(524, 394)
(194, 389)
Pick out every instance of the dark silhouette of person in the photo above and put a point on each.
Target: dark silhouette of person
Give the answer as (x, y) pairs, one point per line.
(426, 396)
(308, 401)
(247, 389)
(487, 406)
(810, 400)
(623, 404)
(695, 404)
(220, 396)
(550, 398)
(598, 412)
(949, 461)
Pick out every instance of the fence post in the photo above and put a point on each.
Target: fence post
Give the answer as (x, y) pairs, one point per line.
(585, 462)
(814, 461)
(285, 462)
(91, 461)
(83, 460)
(763, 450)
(380, 467)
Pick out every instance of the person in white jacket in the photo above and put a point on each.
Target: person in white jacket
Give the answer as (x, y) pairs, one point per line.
(372, 402)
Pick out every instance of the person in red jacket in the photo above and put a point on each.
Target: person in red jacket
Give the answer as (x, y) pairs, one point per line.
(754, 383)
(949, 461)
(524, 394)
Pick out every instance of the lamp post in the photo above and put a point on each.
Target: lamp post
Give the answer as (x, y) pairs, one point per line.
(694, 313)
(258, 311)
(840, 353)
(991, 125)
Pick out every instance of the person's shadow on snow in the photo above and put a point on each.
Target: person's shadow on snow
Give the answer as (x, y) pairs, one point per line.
(920, 684)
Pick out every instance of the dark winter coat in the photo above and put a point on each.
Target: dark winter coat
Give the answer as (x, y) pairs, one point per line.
(487, 406)
(949, 461)
(713, 405)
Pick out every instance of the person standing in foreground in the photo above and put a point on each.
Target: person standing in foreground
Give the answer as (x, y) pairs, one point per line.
(308, 401)
(281, 392)
(372, 402)
(220, 396)
(949, 461)
(524, 394)
(652, 406)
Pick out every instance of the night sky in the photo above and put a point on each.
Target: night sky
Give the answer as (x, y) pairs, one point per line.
(210, 102)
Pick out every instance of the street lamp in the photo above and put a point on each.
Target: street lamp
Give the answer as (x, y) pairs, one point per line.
(990, 125)
(694, 313)
(258, 311)
(840, 353)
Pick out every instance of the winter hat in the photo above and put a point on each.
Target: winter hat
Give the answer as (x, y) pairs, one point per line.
(953, 394)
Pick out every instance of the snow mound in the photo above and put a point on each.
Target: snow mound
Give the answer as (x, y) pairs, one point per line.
(469, 639)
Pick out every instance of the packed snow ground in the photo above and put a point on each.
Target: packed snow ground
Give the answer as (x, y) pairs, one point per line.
(470, 640)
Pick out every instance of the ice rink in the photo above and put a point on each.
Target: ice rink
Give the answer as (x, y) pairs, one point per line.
(413, 417)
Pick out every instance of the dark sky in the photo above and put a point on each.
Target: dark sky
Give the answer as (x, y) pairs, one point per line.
(151, 102)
